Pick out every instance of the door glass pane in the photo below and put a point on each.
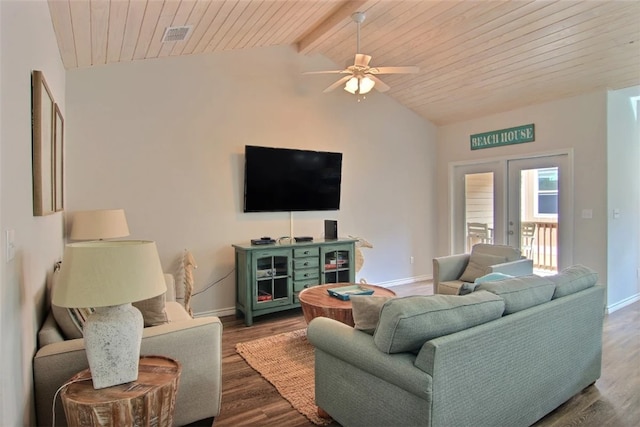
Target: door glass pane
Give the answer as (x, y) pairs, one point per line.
(539, 218)
(479, 203)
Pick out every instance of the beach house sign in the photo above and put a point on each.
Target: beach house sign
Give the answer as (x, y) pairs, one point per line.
(497, 138)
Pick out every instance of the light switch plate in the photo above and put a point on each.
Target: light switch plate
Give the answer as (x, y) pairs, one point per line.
(10, 236)
(587, 213)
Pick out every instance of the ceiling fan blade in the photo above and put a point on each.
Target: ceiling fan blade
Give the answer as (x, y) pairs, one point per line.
(380, 85)
(395, 70)
(338, 83)
(362, 60)
(326, 72)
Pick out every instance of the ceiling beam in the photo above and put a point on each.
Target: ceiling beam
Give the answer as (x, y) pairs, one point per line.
(315, 37)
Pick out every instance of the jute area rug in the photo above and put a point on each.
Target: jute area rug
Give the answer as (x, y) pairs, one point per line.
(287, 362)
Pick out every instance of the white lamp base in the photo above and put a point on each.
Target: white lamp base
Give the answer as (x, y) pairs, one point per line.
(112, 337)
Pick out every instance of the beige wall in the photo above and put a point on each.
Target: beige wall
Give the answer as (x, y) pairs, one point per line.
(164, 139)
(27, 42)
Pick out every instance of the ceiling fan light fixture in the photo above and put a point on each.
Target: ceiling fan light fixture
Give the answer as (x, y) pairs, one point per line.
(352, 85)
(359, 85)
(366, 84)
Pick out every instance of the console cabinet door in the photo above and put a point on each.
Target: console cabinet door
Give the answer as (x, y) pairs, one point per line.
(337, 263)
(272, 279)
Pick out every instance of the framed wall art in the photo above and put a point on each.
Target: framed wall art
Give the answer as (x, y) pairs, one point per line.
(58, 160)
(42, 110)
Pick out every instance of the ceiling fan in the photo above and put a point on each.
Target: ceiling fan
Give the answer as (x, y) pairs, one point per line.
(361, 78)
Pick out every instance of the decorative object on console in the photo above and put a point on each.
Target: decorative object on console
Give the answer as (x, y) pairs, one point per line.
(99, 224)
(109, 276)
(330, 229)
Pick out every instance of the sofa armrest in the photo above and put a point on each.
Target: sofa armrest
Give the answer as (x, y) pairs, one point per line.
(521, 267)
(448, 268)
(195, 343)
(358, 350)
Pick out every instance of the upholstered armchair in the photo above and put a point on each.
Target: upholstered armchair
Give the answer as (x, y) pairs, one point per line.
(451, 272)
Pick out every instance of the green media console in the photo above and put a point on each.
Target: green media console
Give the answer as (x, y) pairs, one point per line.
(270, 277)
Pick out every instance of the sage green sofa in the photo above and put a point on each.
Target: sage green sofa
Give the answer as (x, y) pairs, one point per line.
(195, 343)
(441, 361)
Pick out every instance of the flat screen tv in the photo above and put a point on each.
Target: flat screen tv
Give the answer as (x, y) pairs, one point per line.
(285, 180)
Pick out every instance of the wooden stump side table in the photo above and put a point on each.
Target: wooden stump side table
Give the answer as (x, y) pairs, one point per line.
(316, 301)
(148, 401)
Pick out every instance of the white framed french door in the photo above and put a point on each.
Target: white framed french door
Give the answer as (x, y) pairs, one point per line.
(521, 202)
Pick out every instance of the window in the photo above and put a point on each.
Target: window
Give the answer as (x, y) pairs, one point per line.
(546, 199)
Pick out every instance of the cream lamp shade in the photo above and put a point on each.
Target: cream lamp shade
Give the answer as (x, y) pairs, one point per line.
(99, 224)
(108, 276)
(100, 274)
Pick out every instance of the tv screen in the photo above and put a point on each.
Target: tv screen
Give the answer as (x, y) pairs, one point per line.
(279, 179)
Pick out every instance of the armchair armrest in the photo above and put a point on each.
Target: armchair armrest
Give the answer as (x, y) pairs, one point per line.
(357, 349)
(521, 267)
(195, 343)
(448, 268)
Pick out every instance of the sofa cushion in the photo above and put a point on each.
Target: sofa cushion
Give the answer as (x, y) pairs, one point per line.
(407, 323)
(520, 293)
(573, 279)
(70, 320)
(450, 287)
(153, 310)
(366, 311)
(478, 264)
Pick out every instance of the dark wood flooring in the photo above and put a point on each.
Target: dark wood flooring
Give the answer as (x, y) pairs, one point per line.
(249, 400)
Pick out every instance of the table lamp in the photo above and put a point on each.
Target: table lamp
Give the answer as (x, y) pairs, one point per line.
(109, 276)
(99, 224)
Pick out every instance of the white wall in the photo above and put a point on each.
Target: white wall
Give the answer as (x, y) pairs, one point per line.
(623, 194)
(164, 139)
(578, 123)
(27, 42)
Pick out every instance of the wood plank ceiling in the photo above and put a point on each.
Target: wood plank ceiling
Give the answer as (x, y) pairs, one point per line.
(475, 57)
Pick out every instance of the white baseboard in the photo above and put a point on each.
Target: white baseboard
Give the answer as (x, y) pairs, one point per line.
(407, 281)
(621, 304)
(229, 311)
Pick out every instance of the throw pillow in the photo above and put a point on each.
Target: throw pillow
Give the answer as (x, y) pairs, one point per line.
(467, 288)
(492, 277)
(152, 310)
(71, 320)
(478, 263)
(407, 323)
(366, 311)
(520, 293)
(573, 279)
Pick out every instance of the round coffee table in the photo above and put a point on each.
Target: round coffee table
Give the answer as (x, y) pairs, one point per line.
(316, 302)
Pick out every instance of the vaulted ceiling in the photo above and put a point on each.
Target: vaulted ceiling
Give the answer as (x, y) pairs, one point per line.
(475, 57)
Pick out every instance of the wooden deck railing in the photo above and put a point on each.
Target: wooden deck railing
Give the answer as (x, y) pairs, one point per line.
(543, 250)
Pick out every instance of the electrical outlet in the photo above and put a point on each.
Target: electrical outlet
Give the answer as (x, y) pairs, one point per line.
(411, 259)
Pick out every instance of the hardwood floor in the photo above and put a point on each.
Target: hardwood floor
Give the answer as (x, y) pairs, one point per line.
(249, 400)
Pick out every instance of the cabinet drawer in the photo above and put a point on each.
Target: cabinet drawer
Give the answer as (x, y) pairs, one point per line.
(299, 285)
(309, 273)
(306, 263)
(305, 252)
